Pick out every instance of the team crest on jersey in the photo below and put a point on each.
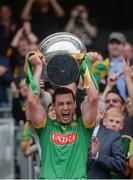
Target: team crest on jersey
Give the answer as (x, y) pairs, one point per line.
(63, 139)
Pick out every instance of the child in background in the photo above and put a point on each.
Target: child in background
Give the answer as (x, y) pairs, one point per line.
(114, 119)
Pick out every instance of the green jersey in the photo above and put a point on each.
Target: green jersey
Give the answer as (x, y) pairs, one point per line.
(64, 149)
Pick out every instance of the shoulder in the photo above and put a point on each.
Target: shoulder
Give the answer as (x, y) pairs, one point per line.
(112, 133)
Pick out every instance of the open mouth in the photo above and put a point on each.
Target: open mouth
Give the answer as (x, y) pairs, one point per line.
(66, 115)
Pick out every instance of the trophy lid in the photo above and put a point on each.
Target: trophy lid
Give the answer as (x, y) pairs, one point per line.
(62, 42)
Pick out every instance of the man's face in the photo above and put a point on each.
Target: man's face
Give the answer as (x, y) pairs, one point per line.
(5, 13)
(113, 100)
(114, 122)
(65, 108)
(23, 47)
(115, 48)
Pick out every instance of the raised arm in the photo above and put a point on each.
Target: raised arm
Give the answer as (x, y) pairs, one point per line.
(36, 111)
(16, 39)
(89, 107)
(27, 10)
(27, 29)
(127, 73)
(111, 81)
(91, 30)
(71, 23)
(58, 8)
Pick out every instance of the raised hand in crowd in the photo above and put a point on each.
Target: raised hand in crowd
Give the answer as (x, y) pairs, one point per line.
(126, 68)
(128, 72)
(57, 8)
(48, 12)
(79, 24)
(26, 13)
(80, 14)
(93, 56)
(111, 81)
(24, 31)
(27, 30)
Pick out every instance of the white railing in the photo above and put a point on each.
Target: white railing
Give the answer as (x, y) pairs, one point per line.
(7, 148)
(10, 152)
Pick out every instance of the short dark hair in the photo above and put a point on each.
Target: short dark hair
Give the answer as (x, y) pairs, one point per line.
(115, 91)
(62, 90)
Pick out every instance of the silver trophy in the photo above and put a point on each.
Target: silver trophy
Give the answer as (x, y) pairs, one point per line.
(58, 49)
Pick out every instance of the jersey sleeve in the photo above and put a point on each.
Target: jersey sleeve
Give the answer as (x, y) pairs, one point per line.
(88, 124)
(88, 128)
(41, 127)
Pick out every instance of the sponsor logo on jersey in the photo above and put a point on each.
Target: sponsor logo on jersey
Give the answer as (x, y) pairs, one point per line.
(63, 139)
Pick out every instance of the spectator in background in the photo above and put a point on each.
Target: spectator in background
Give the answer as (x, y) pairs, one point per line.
(115, 48)
(8, 27)
(24, 40)
(51, 112)
(114, 119)
(128, 52)
(17, 53)
(19, 102)
(111, 95)
(128, 73)
(106, 153)
(46, 17)
(112, 98)
(6, 80)
(24, 31)
(79, 24)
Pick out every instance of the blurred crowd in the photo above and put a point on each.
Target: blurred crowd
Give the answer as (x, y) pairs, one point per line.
(113, 70)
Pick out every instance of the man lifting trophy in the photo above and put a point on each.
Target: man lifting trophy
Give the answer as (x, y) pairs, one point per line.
(62, 59)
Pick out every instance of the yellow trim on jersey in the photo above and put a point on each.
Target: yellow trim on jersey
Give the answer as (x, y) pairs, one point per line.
(42, 123)
(88, 124)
